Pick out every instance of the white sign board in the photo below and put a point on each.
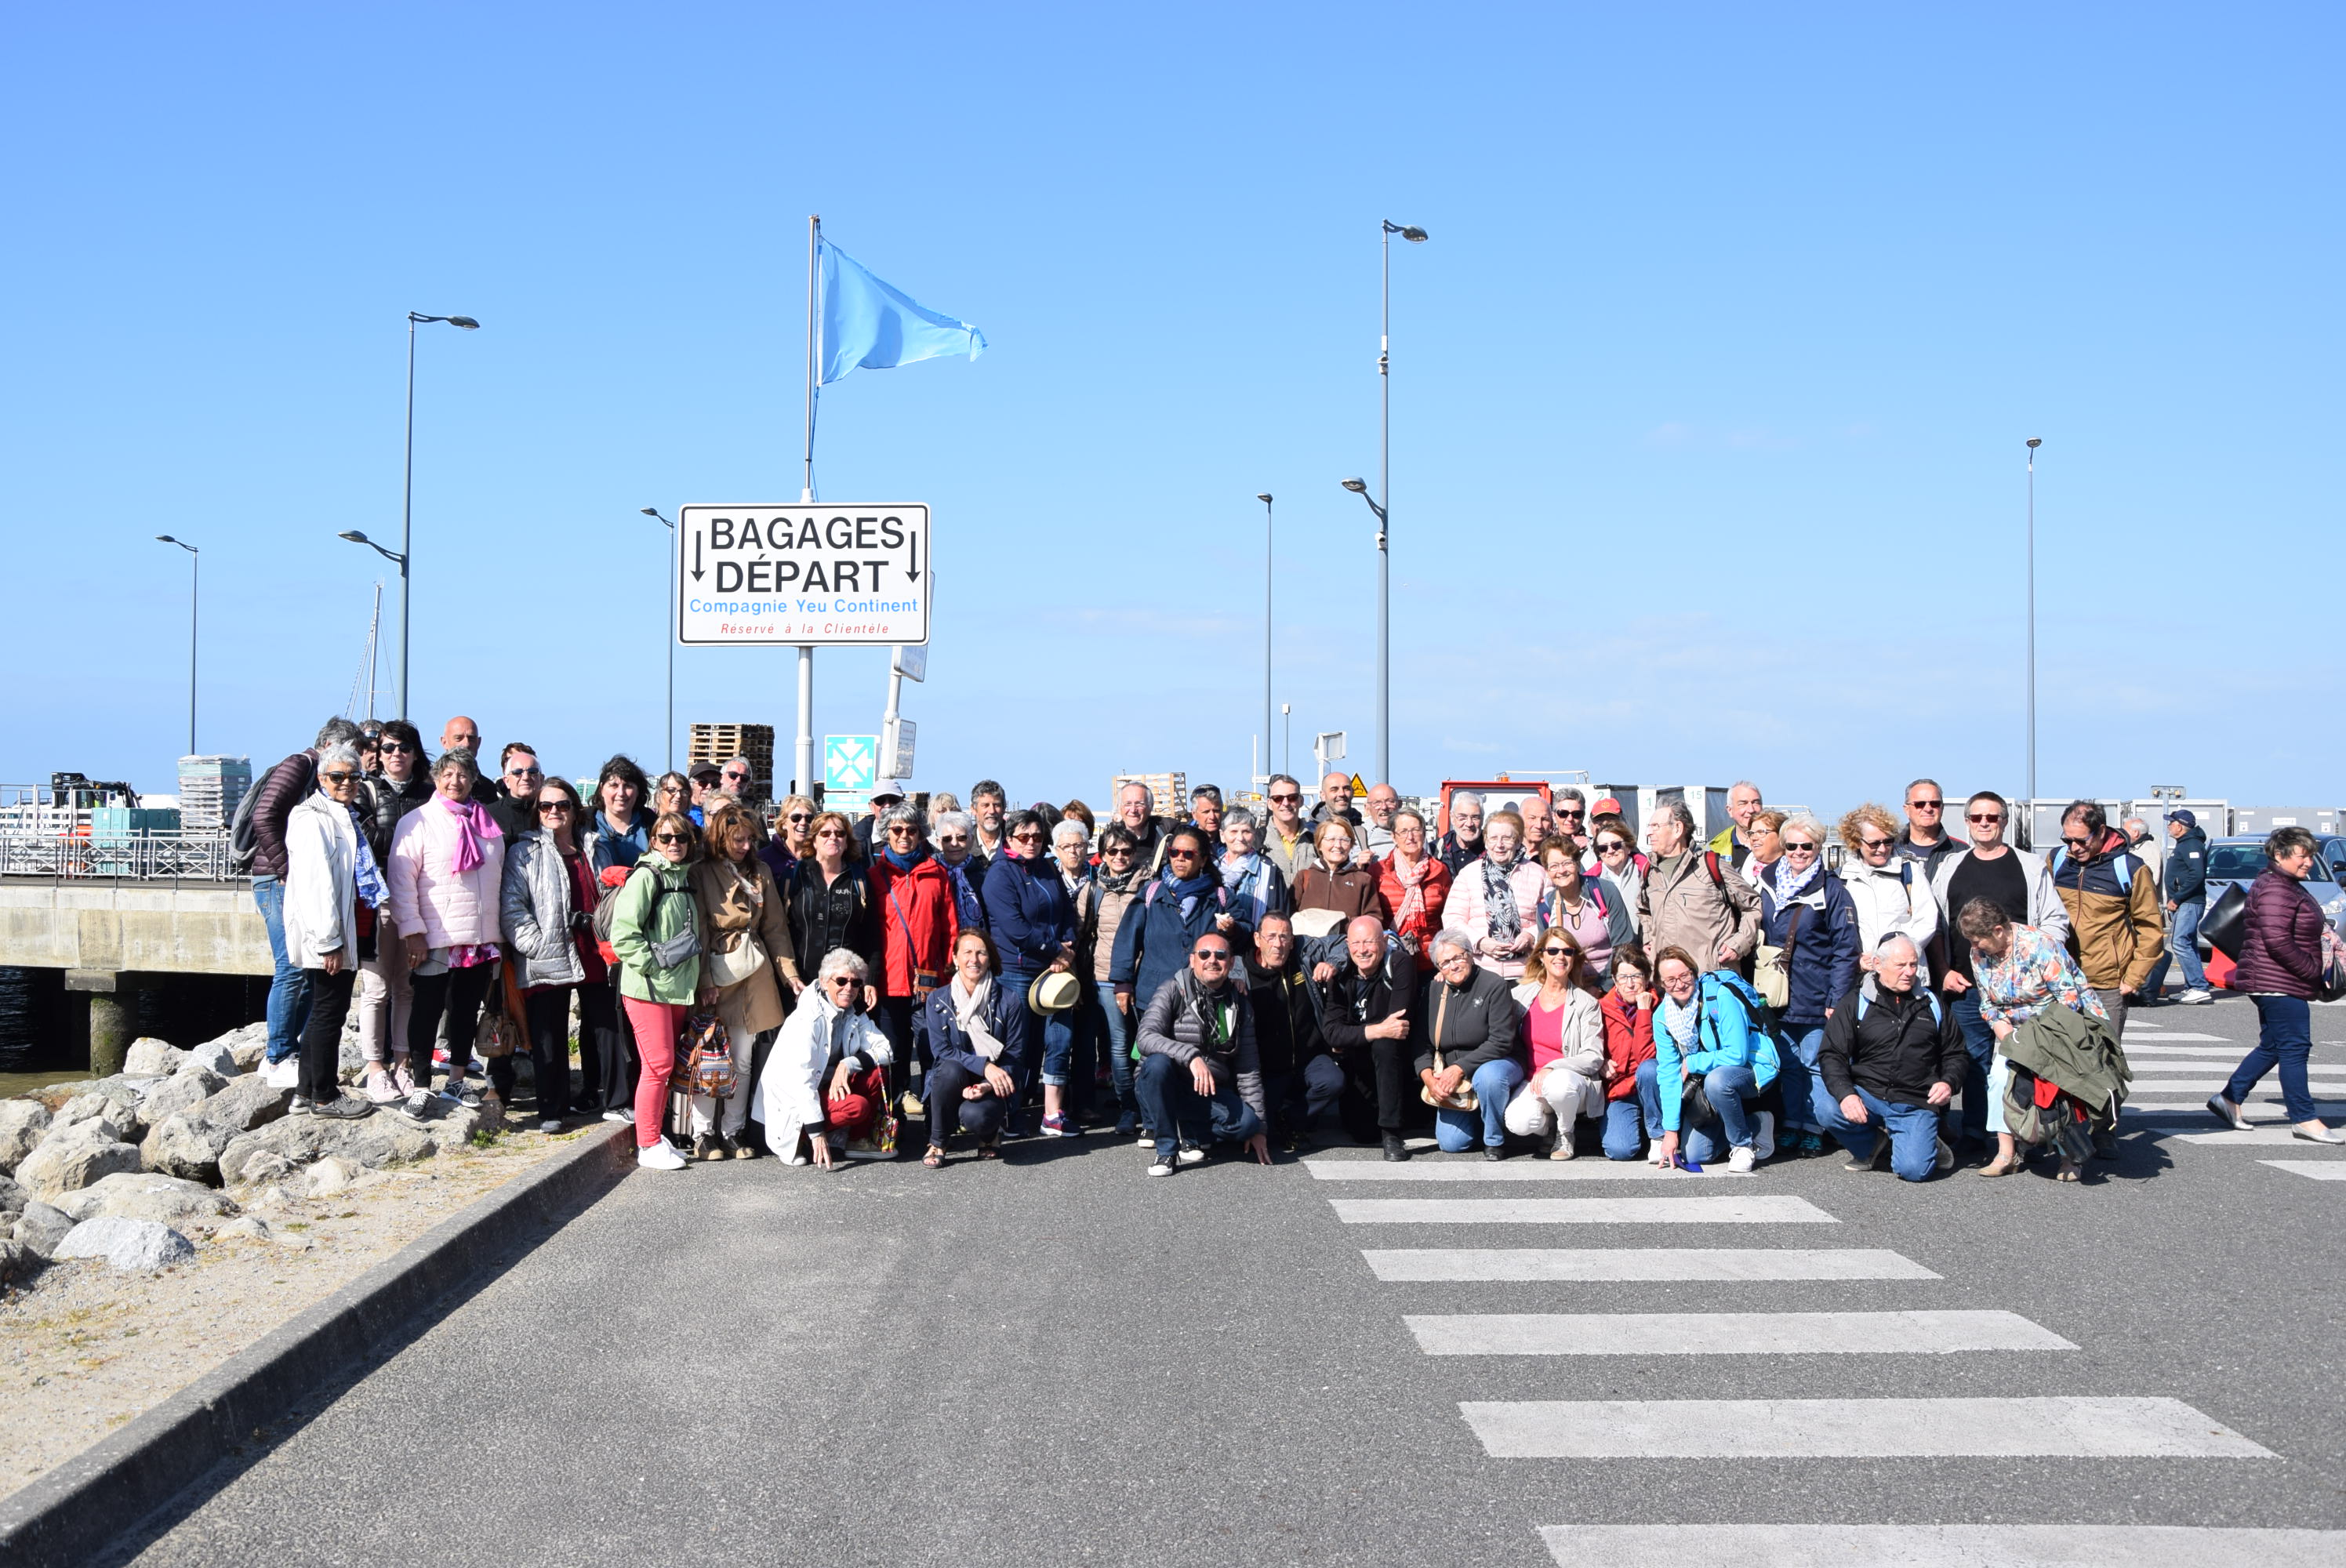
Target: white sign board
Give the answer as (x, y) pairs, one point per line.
(896, 737)
(822, 574)
(849, 767)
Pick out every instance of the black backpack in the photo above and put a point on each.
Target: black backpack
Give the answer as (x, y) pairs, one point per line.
(243, 844)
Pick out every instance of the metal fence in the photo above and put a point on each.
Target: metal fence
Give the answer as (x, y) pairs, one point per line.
(193, 856)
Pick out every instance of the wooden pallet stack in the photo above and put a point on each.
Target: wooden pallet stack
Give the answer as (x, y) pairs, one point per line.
(720, 743)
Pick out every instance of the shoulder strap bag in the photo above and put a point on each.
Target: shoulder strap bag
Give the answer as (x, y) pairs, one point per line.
(1772, 968)
(1464, 1099)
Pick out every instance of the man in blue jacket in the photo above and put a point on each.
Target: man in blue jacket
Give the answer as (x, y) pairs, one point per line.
(2186, 891)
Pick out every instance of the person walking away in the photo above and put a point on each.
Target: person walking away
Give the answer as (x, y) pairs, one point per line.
(447, 874)
(1692, 900)
(1808, 932)
(385, 1001)
(1365, 1009)
(1564, 1032)
(1707, 1033)
(2185, 890)
(547, 896)
(2284, 958)
(2015, 881)
(280, 790)
(1198, 1060)
(656, 933)
(1891, 1059)
(746, 961)
(1469, 1059)
(333, 890)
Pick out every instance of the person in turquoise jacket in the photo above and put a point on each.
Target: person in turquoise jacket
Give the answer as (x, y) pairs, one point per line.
(1707, 1030)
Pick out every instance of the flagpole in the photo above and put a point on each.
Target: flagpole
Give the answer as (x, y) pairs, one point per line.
(803, 763)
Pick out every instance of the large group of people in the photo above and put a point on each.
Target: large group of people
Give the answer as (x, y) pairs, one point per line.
(1548, 977)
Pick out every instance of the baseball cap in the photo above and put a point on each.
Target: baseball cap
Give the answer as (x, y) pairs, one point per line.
(704, 770)
(2184, 817)
(1603, 804)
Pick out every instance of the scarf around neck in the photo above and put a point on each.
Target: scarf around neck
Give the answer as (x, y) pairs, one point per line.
(475, 829)
(1413, 881)
(969, 1008)
(905, 862)
(1680, 1020)
(1499, 897)
(371, 891)
(1790, 886)
(1188, 890)
(1237, 868)
(1116, 881)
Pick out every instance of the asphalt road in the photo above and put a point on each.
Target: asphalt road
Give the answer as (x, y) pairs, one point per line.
(1053, 1359)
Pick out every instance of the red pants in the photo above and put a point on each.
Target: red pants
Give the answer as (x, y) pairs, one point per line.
(657, 1025)
(854, 1114)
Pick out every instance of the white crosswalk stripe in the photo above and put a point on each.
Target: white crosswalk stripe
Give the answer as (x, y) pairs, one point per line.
(2313, 1170)
(2073, 1427)
(1727, 1333)
(2165, 1039)
(1613, 1264)
(1580, 1211)
(1594, 1168)
(1941, 1545)
(2283, 1134)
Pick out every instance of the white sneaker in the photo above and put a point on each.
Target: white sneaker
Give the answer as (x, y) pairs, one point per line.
(1763, 1142)
(1654, 1153)
(660, 1157)
(2195, 995)
(1740, 1159)
(624, 1118)
(1146, 1141)
(1190, 1154)
(285, 1074)
(1161, 1168)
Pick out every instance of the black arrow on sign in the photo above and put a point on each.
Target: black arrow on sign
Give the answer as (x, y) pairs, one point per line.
(695, 557)
(914, 574)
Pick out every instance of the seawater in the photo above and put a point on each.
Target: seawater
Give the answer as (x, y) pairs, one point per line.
(186, 1010)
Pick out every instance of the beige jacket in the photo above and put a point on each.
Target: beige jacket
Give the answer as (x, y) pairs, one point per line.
(736, 901)
(1683, 907)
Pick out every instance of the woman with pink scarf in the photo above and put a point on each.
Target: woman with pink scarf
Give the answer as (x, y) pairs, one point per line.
(447, 871)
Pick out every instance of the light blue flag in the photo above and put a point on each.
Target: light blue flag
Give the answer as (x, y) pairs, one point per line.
(869, 325)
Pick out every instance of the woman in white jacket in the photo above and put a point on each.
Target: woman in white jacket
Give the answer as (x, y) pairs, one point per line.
(1892, 896)
(332, 889)
(823, 1078)
(1494, 897)
(1563, 1027)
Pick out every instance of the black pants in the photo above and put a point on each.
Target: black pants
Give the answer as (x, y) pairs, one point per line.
(907, 1029)
(1305, 1100)
(548, 1009)
(321, 1038)
(611, 1079)
(1383, 1076)
(458, 993)
(941, 1091)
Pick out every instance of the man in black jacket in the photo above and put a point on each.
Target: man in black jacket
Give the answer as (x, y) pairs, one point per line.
(1365, 1016)
(1891, 1057)
(1302, 1085)
(2185, 893)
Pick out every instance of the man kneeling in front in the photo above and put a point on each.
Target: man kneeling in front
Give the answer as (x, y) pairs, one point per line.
(1198, 1053)
(1891, 1057)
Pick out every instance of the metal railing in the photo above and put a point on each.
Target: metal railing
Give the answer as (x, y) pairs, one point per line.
(193, 856)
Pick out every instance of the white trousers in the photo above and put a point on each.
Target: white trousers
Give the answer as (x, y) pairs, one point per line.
(1562, 1095)
(737, 1104)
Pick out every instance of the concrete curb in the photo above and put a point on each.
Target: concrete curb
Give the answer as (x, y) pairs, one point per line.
(64, 1517)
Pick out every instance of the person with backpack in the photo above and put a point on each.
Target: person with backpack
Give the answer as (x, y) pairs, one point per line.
(1807, 957)
(746, 961)
(548, 897)
(1154, 939)
(447, 900)
(1691, 899)
(2117, 928)
(1891, 1059)
(655, 936)
(1714, 1058)
(257, 848)
(1892, 896)
(1595, 915)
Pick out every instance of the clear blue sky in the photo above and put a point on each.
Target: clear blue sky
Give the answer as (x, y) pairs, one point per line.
(1710, 388)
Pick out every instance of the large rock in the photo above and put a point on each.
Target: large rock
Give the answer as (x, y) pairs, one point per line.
(215, 1056)
(377, 1141)
(151, 1058)
(12, 1198)
(23, 1123)
(183, 1091)
(118, 1119)
(245, 1102)
(41, 1228)
(144, 1244)
(185, 1145)
(245, 1046)
(17, 1262)
(73, 1158)
(146, 1196)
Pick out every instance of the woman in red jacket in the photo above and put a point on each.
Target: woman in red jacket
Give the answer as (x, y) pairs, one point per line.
(2281, 965)
(1415, 884)
(1630, 1095)
(914, 901)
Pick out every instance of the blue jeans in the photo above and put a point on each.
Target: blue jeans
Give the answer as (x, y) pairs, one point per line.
(1169, 1098)
(1913, 1134)
(1495, 1083)
(2182, 947)
(1730, 1090)
(1065, 1037)
(288, 987)
(1796, 1070)
(1979, 1040)
(1630, 1123)
(2284, 1039)
(1112, 1028)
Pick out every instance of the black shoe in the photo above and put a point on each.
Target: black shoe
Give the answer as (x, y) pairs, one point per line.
(343, 1107)
(1395, 1149)
(2106, 1145)
(1493, 1152)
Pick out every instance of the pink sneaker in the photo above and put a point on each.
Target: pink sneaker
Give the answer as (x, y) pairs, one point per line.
(403, 1080)
(379, 1087)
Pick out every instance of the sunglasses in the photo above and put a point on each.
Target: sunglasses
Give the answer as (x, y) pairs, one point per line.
(1554, 952)
(800, 817)
(842, 980)
(1119, 853)
(1213, 955)
(1029, 837)
(524, 773)
(831, 833)
(543, 807)
(1285, 800)
(1802, 847)
(671, 838)
(896, 828)
(1984, 817)
(1875, 843)
(2080, 843)
(339, 776)
(398, 745)
(1926, 805)
(1610, 846)
(1180, 854)
(1572, 816)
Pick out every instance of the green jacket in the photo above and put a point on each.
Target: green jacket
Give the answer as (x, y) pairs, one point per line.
(655, 904)
(2075, 1051)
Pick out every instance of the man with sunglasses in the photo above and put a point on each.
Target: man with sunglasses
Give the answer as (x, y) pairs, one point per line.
(2117, 929)
(1286, 838)
(520, 778)
(2017, 883)
(1198, 1054)
(1926, 840)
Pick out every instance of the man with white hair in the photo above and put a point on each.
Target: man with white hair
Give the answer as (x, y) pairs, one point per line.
(1734, 841)
(1376, 833)
(1136, 808)
(1891, 1059)
(1461, 843)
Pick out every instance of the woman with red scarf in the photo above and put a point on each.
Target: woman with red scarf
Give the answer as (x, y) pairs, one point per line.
(1415, 886)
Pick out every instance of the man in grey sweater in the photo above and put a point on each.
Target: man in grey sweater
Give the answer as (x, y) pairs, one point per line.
(1198, 1053)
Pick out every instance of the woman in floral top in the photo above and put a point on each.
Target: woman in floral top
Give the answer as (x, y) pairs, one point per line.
(2020, 972)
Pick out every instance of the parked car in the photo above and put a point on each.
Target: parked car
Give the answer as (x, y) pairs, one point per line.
(2231, 860)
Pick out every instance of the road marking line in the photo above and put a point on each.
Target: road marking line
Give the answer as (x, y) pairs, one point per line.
(2165, 1039)
(1579, 1211)
(2199, 1107)
(2280, 1135)
(2316, 1170)
(1941, 1545)
(1727, 1333)
(1589, 1169)
(2085, 1428)
(1612, 1264)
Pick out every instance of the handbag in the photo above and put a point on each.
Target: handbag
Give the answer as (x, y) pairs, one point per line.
(709, 1068)
(1771, 973)
(923, 980)
(2225, 926)
(730, 966)
(496, 1034)
(1464, 1099)
(2334, 968)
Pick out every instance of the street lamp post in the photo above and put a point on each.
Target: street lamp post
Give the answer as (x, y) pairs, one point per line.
(1415, 236)
(407, 494)
(669, 631)
(2034, 443)
(1264, 496)
(1287, 746)
(195, 565)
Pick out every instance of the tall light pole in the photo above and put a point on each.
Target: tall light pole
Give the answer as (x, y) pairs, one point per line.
(2034, 443)
(669, 631)
(407, 496)
(195, 564)
(1264, 496)
(1415, 236)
